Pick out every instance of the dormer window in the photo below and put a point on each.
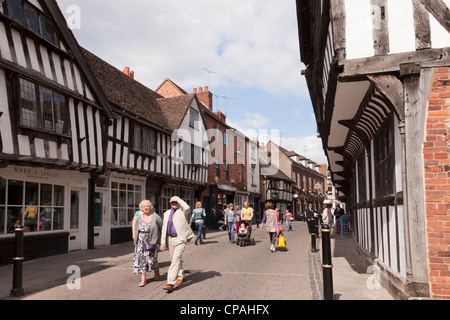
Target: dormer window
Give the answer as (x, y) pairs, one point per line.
(194, 118)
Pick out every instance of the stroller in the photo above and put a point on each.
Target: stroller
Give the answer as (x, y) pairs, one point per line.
(244, 235)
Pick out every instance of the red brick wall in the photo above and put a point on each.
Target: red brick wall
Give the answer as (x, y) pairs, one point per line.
(167, 90)
(437, 184)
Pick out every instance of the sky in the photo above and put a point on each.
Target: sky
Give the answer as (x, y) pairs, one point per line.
(245, 51)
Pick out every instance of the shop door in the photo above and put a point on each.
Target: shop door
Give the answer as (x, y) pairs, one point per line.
(100, 238)
(75, 236)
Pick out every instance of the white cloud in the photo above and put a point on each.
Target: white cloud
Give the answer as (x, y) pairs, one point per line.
(309, 147)
(248, 43)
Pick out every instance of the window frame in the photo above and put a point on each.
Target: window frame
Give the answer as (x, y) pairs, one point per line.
(43, 19)
(60, 116)
(143, 148)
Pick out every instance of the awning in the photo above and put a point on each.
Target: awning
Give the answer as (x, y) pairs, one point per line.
(225, 187)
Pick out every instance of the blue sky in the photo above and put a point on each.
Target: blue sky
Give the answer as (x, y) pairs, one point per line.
(250, 45)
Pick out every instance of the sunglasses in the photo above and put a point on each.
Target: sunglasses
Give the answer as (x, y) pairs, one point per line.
(174, 202)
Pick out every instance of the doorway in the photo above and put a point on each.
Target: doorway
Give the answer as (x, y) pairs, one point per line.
(100, 218)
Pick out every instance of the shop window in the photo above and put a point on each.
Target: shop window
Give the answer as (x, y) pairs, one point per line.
(125, 199)
(38, 207)
(42, 108)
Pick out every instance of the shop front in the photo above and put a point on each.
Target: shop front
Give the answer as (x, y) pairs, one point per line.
(52, 205)
(117, 198)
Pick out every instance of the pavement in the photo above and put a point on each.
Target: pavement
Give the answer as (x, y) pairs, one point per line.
(214, 270)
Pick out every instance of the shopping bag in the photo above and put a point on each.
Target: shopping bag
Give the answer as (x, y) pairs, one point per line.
(281, 241)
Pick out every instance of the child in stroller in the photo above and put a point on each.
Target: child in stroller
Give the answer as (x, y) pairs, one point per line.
(244, 233)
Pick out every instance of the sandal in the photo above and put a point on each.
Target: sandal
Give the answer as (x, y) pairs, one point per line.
(142, 284)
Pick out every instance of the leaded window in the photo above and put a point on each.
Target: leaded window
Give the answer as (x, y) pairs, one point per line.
(41, 108)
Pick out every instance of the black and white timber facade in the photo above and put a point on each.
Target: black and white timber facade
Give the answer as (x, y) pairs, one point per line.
(369, 70)
(82, 143)
(52, 130)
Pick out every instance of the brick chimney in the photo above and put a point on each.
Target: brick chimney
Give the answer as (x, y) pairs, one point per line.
(128, 72)
(204, 96)
(221, 116)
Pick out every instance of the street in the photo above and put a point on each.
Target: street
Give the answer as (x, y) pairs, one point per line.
(215, 270)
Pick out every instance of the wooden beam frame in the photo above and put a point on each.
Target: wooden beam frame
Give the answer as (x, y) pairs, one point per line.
(439, 10)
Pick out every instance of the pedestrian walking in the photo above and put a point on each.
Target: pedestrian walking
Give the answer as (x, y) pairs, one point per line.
(327, 216)
(198, 216)
(270, 219)
(310, 218)
(338, 212)
(238, 213)
(231, 220)
(146, 233)
(288, 220)
(247, 213)
(176, 232)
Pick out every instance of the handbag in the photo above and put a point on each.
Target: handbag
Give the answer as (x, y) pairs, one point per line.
(149, 246)
(193, 226)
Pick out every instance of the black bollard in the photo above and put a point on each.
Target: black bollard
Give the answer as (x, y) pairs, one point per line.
(313, 242)
(316, 226)
(17, 289)
(327, 264)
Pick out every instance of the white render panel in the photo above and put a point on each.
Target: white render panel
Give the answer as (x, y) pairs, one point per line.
(39, 145)
(19, 48)
(58, 70)
(126, 130)
(83, 145)
(53, 148)
(125, 157)
(401, 26)
(440, 38)
(384, 215)
(78, 79)
(117, 156)
(5, 123)
(36, 4)
(33, 54)
(99, 137)
(65, 152)
(46, 62)
(24, 145)
(73, 127)
(393, 245)
(359, 29)
(402, 240)
(109, 152)
(4, 46)
(69, 75)
(91, 135)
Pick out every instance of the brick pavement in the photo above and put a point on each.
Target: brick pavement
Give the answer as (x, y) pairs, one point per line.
(216, 270)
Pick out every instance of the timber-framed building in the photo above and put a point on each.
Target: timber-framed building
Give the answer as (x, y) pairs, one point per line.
(377, 73)
(53, 116)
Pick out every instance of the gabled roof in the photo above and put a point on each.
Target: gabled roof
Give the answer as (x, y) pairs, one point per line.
(173, 85)
(126, 93)
(175, 109)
